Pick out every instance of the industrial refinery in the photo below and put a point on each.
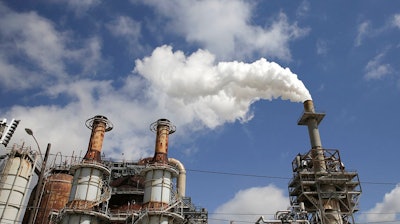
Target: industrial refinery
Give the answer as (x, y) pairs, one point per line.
(152, 190)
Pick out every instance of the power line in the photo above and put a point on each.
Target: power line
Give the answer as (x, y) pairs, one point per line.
(232, 217)
(245, 221)
(266, 214)
(238, 174)
(273, 177)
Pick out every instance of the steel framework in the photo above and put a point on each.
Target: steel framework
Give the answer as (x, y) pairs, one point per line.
(307, 186)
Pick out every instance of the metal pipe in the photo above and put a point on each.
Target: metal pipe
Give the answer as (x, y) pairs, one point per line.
(311, 119)
(163, 128)
(181, 182)
(313, 131)
(99, 125)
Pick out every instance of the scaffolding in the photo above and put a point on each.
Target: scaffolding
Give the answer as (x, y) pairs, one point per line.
(308, 187)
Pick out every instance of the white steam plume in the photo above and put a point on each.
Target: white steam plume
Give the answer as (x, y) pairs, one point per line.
(214, 93)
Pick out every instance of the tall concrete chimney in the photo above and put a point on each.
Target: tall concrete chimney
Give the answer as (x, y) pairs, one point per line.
(99, 125)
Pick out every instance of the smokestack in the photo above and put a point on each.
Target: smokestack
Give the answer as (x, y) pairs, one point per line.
(89, 188)
(312, 119)
(99, 125)
(163, 128)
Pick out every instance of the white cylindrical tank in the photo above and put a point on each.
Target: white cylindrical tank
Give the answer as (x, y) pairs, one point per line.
(87, 182)
(158, 187)
(86, 192)
(15, 179)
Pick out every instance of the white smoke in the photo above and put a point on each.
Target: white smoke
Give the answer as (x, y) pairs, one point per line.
(194, 92)
(215, 93)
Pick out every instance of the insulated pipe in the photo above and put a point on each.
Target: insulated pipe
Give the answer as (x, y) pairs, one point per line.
(99, 125)
(181, 182)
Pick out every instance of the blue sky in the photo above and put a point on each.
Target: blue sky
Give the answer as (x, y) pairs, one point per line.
(199, 64)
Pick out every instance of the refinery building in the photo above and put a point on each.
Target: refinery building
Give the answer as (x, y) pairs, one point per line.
(92, 189)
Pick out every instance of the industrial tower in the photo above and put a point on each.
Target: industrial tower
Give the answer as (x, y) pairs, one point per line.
(90, 191)
(97, 190)
(328, 192)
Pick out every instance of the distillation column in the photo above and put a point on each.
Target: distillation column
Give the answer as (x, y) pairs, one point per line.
(88, 187)
(158, 179)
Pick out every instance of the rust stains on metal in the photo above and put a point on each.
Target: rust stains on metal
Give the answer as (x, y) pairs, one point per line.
(163, 128)
(55, 196)
(99, 125)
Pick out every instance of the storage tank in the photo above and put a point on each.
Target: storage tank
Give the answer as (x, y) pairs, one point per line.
(15, 179)
(55, 195)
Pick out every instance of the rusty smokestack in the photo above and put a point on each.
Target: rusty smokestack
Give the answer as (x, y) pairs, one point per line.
(99, 125)
(163, 128)
(312, 119)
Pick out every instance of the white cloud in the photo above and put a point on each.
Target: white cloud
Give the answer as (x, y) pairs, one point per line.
(31, 35)
(303, 8)
(322, 47)
(14, 77)
(249, 204)
(365, 30)
(386, 210)
(44, 52)
(375, 69)
(362, 31)
(79, 7)
(65, 125)
(223, 27)
(124, 26)
(127, 28)
(396, 20)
